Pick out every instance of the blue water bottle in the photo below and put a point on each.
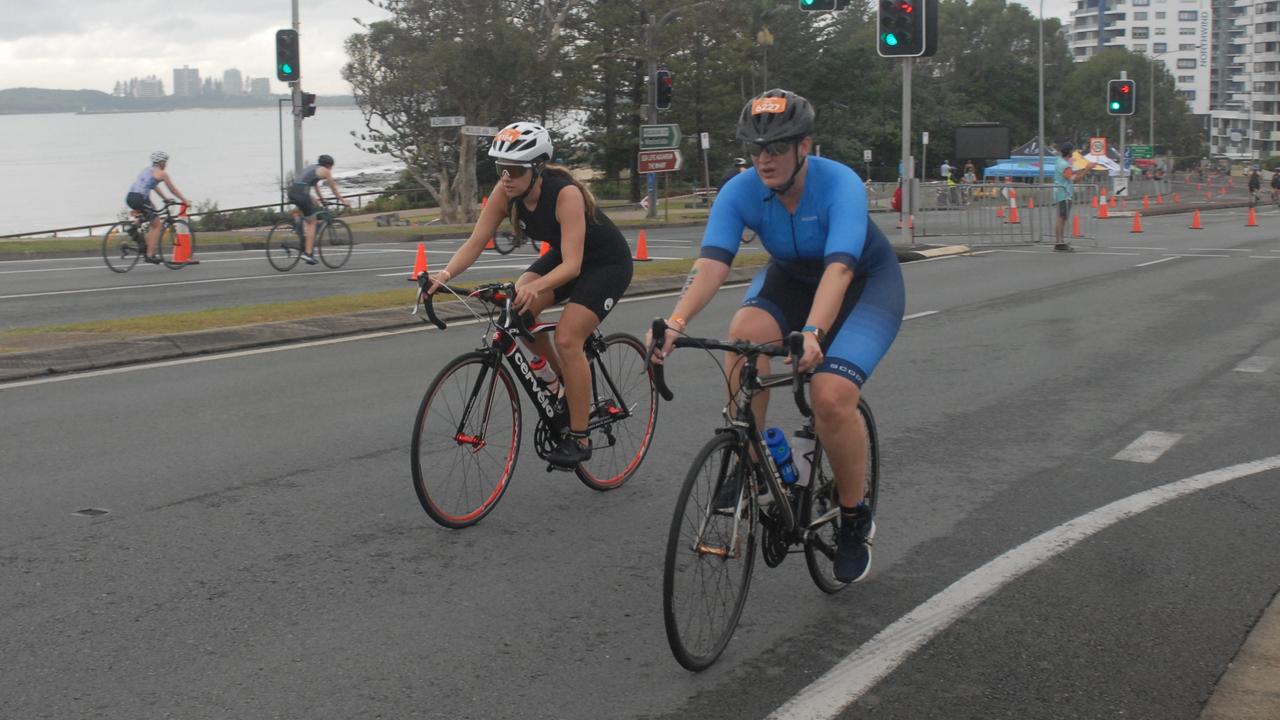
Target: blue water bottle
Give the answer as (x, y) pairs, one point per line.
(776, 441)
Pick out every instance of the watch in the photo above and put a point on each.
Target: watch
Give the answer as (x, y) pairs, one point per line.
(817, 332)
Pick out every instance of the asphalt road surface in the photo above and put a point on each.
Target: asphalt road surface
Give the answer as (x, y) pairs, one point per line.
(263, 554)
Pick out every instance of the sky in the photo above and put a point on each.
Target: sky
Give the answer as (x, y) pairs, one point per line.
(90, 44)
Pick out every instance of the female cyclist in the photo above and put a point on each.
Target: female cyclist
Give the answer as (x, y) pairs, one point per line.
(589, 263)
(832, 275)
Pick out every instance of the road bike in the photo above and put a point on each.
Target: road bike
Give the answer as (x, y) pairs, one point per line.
(733, 486)
(506, 241)
(333, 245)
(126, 242)
(467, 433)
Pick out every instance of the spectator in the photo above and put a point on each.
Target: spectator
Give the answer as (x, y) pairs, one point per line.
(945, 169)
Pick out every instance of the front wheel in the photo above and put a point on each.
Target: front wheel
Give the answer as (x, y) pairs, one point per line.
(504, 242)
(710, 554)
(821, 510)
(177, 244)
(121, 249)
(334, 244)
(284, 246)
(466, 439)
(624, 411)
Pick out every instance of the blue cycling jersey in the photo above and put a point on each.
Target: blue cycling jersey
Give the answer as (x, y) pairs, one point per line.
(145, 182)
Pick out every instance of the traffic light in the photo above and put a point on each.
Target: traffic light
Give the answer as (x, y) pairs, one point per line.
(665, 82)
(308, 104)
(288, 65)
(823, 5)
(1122, 97)
(907, 28)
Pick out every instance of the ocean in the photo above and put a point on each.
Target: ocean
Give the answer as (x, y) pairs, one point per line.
(63, 170)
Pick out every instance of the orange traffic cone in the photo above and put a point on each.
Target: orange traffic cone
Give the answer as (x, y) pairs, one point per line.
(182, 242)
(911, 222)
(420, 263)
(1095, 202)
(1253, 219)
(1175, 198)
(1102, 211)
(999, 212)
(642, 249)
(1146, 205)
(1112, 202)
(546, 248)
(1075, 226)
(1195, 220)
(1159, 199)
(1222, 191)
(1137, 223)
(1013, 215)
(1031, 202)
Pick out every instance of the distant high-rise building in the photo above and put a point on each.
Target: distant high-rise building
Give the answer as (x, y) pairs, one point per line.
(149, 86)
(186, 82)
(232, 83)
(260, 86)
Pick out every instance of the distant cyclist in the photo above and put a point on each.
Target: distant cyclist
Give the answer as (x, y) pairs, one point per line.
(588, 266)
(139, 199)
(832, 276)
(1275, 186)
(1255, 186)
(300, 195)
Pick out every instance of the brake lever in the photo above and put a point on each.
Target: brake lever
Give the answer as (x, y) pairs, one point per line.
(659, 335)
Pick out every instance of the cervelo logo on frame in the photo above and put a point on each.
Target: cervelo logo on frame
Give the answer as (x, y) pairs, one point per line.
(772, 105)
(507, 135)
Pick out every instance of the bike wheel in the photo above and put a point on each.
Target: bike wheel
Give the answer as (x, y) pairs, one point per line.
(710, 554)
(504, 242)
(284, 246)
(169, 244)
(625, 399)
(821, 508)
(119, 249)
(466, 439)
(334, 244)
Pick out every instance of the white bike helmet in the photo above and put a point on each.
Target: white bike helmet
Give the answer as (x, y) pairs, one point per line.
(523, 143)
(158, 157)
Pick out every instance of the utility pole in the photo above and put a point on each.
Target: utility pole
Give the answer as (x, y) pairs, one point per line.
(297, 104)
(1124, 75)
(908, 162)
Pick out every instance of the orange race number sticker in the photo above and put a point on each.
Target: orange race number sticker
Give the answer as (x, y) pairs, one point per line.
(507, 135)
(773, 105)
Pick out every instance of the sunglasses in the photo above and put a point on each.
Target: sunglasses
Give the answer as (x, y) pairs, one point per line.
(775, 148)
(515, 172)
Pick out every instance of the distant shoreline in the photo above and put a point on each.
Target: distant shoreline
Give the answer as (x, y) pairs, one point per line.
(38, 101)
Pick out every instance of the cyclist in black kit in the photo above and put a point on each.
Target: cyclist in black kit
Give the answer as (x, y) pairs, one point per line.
(300, 195)
(588, 266)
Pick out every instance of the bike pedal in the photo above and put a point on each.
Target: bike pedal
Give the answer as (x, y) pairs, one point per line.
(552, 467)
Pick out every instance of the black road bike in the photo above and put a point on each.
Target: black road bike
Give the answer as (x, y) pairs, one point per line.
(466, 436)
(126, 242)
(506, 241)
(334, 241)
(733, 487)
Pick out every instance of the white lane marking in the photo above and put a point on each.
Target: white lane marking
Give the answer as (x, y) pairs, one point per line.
(1099, 252)
(1264, 257)
(1221, 250)
(406, 273)
(940, 257)
(830, 694)
(1204, 256)
(1157, 262)
(1135, 247)
(1256, 364)
(1149, 446)
(926, 313)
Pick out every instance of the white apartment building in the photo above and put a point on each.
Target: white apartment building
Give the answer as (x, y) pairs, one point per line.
(1246, 112)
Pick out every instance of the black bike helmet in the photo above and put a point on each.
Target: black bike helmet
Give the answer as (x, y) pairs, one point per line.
(325, 160)
(775, 115)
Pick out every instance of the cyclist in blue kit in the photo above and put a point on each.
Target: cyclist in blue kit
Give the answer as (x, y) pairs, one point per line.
(832, 275)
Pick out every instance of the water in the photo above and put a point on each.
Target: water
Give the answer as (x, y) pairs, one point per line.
(62, 170)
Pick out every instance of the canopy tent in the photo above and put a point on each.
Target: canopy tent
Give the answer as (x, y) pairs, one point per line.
(1024, 162)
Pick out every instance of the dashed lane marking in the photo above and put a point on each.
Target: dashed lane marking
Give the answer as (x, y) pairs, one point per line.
(1255, 364)
(1156, 262)
(1149, 446)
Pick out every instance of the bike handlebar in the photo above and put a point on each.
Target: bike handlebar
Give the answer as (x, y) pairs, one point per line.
(500, 294)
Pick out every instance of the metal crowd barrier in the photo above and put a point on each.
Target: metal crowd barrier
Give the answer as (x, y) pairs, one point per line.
(1001, 213)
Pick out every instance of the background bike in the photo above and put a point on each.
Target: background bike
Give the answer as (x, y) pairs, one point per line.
(126, 242)
(507, 241)
(334, 241)
(467, 433)
(735, 485)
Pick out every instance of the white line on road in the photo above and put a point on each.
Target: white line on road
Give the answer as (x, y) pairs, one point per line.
(1149, 446)
(1255, 364)
(1157, 262)
(1264, 257)
(829, 695)
(1134, 247)
(1100, 252)
(1203, 256)
(926, 313)
(149, 286)
(1221, 250)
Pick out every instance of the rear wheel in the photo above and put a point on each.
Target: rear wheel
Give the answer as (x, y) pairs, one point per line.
(334, 244)
(822, 509)
(466, 439)
(710, 554)
(284, 246)
(624, 411)
(504, 242)
(177, 244)
(120, 249)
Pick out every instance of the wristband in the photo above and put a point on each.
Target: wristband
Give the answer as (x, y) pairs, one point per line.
(818, 332)
(675, 319)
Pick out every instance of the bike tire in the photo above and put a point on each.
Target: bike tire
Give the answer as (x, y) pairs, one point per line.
(820, 499)
(168, 243)
(698, 536)
(335, 244)
(284, 246)
(441, 462)
(618, 448)
(504, 242)
(120, 250)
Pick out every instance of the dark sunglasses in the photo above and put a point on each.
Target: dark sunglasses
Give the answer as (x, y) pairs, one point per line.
(515, 172)
(775, 148)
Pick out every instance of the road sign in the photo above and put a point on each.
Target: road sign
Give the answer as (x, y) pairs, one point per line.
(924, 140)
(1097, 146)
(479, 130)
(705, 139)
(448, 121)
(659, 137)
(1140, 151)
(866, 156)
(656, 161)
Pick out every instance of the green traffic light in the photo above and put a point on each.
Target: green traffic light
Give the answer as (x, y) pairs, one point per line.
(890, 39)
(287, 69)
(1115, 105)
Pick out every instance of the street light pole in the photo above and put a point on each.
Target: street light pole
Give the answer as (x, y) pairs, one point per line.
(1040, 136)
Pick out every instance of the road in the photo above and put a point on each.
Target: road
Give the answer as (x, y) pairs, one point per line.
(263, 554)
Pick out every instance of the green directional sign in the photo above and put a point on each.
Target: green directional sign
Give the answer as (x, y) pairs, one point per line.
(659, 137)
(1142, 152)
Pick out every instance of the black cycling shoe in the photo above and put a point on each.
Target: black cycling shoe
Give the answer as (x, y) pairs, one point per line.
(153, 259)
(853, 546)
(570, 452)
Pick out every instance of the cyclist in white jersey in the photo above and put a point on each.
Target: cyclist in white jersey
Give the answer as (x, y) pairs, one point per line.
(139, 199)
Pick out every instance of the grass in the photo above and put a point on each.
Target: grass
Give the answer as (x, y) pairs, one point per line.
(168, 323)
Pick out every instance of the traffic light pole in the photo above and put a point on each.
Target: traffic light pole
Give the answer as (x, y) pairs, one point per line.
(1124, 75)
(908, 162)
(297, 107)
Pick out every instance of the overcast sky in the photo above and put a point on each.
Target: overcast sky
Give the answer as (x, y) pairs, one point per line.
(74, 44)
